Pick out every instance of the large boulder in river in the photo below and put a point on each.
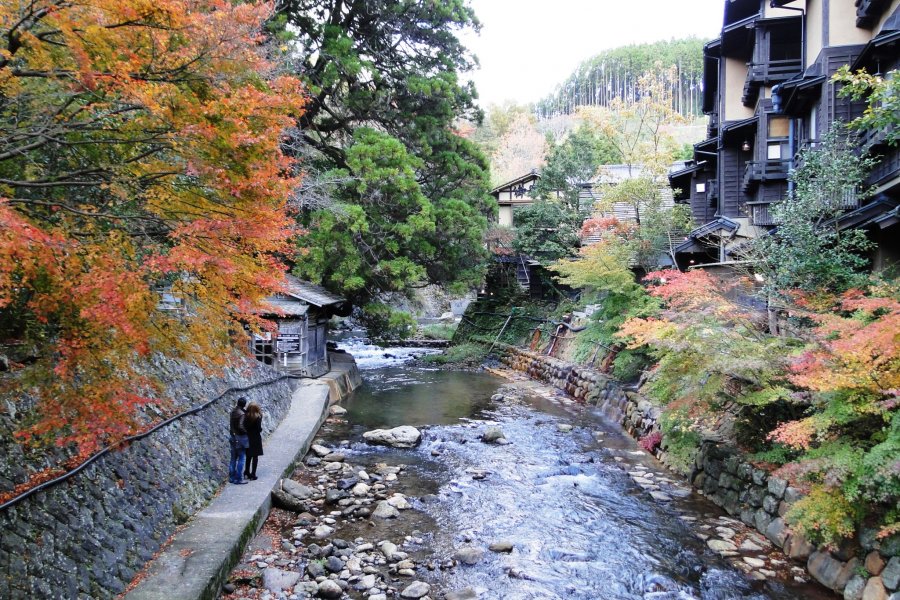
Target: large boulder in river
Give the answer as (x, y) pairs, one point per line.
(492, 435)
(404, 436)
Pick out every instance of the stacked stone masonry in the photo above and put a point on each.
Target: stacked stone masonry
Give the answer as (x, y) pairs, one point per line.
(868, 569)
(89, 536)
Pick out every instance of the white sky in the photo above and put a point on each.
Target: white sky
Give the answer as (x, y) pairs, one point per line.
(527, 47)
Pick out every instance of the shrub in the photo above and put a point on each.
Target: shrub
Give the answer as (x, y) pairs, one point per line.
(468, 353)
(438, 331)
(651, 441)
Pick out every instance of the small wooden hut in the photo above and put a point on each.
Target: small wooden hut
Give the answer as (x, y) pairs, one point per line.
(301, 313)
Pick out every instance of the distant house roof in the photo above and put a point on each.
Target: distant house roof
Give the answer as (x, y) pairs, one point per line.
(522, 179)
(617, 173)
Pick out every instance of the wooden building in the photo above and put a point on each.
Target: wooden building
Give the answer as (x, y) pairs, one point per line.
(768, 92)
(301, 313)
(513, 194)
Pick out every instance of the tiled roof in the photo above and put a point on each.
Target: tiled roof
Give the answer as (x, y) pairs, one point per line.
(287, 306)
(310, 293)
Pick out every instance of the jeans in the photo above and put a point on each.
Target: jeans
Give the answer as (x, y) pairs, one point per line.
(236, 466)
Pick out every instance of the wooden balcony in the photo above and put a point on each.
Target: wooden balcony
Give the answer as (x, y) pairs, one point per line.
(869, 11)
(760, 171)
(768, 73)
(761, 214)
(846, 199)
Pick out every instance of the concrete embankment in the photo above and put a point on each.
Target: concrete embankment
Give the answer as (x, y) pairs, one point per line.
(867, 569)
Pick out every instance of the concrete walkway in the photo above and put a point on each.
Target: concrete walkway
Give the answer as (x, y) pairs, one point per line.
(199, 559)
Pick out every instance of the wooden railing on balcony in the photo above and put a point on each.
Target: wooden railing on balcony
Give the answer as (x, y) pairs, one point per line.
(764, 170)
(768, 72)
(761, 214)
(846, 199)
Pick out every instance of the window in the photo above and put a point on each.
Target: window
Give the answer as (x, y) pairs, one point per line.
(779, 127)
(774, 151)
(701, 188)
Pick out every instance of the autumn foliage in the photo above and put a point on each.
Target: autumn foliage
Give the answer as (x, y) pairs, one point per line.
(840, 383)
(141, 154)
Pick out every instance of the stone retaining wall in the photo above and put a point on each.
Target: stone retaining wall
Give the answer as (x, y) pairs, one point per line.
(89, 536)
(867, 570)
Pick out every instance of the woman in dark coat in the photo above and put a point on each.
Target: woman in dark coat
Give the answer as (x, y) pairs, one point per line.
(253, 423)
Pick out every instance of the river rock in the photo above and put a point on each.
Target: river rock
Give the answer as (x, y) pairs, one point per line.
(298, 490)
(829, 571)
(388, 549)
(502, 546)
(334, 457)
(360, 489)
(563, 427)
(385, 511)
(320, 450)
(333, 564)
(337, 410)
(323, 531)
(417, 589)
(329, 589)
(875, 590)
(333, 496)
(399, 502)
(721, 546)
(282, 499)
(404, 436)
(492, 435)
(463, 594)
(891, 574)
(315, 569)
(469, 555)
(276, 580)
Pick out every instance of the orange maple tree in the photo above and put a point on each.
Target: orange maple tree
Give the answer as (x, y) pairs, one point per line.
(143, 197)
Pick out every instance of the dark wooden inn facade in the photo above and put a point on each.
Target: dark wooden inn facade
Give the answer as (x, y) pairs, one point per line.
(768, 92)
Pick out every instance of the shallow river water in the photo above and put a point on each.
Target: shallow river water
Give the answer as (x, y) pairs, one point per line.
(581, 528)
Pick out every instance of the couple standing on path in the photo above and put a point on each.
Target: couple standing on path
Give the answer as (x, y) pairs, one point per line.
(246, 441)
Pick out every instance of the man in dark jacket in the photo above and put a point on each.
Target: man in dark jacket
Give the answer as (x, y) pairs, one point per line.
(239, 443)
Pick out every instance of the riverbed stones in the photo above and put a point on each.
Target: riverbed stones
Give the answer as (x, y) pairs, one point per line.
(721, 546)
(469, 555)
(385, 511)
(399, 502)
(415, 590)
(891, 574)
(329, 589)
(276, 580)
(337, 411)
(501, 546)
(323, 531)
(492, 435)
(829, 571)
(320, 450)
(404, 436)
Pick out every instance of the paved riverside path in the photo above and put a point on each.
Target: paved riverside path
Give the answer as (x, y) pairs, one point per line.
(197, 562)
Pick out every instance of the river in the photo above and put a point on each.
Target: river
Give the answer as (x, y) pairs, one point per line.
(579, 525)
(565, 504)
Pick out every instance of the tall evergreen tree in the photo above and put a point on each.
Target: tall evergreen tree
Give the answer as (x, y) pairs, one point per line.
(391, 67)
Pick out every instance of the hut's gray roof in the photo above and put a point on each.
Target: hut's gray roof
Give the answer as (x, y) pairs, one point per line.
(289, 307)
(310, 293)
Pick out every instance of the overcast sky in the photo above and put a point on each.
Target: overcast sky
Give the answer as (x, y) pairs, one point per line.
(526, 47)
